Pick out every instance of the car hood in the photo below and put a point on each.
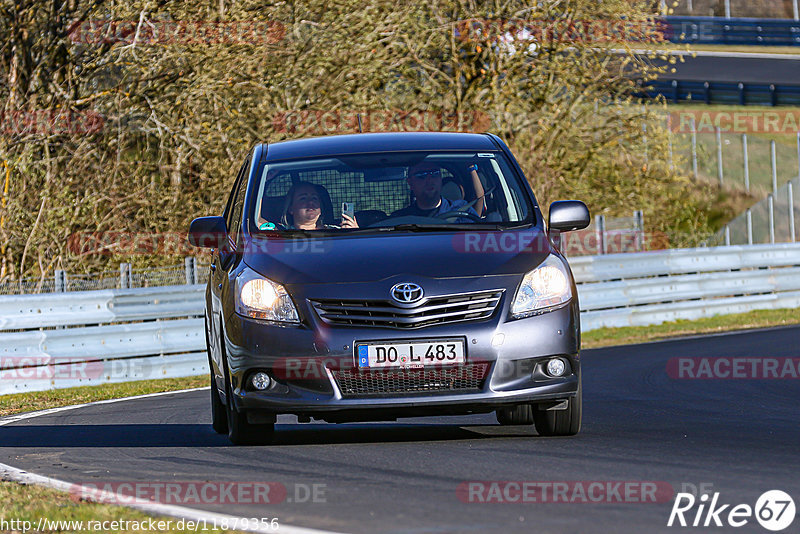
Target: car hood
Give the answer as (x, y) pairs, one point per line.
(365, 258)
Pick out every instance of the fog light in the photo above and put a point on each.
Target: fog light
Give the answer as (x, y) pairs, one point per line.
(260, 380)
(556, 367)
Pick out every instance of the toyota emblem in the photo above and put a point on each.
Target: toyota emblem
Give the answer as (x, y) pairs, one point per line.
(406, 293)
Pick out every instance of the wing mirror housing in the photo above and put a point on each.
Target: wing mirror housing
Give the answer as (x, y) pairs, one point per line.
(208, 232)
(569, 215)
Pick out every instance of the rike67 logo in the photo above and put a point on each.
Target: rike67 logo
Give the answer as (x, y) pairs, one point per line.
(774, 510)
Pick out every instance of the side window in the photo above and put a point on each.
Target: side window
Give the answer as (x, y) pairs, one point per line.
(235, 220)
(229, 205)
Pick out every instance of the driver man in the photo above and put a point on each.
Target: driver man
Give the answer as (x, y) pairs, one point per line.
(425, 182)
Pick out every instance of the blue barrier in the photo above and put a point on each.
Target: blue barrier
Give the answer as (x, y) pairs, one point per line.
(724, 93)
(734, 31)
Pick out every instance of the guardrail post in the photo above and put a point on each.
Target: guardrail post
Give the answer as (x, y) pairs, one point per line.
(796, 10)
(789, 189)
(720, 171)
(727, 9)
(746, 163)
(60, 281)
(727, 235)
(600, 223)
(771, 207)
(694, 147)
(773, 95)
(774, 163)
(125, 276)
(676, 94)
(638, 217)
(707, 93)
(749, 217)
(190, 270)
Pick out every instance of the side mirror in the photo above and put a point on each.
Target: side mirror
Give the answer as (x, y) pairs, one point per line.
(208, 232)
(568, 215)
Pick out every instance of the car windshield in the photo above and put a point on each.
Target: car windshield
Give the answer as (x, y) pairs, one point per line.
(390, 191)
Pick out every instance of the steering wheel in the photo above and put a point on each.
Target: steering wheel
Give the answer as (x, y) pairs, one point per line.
(458, 213)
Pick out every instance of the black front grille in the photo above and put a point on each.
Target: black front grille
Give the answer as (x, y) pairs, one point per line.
(358, 383)
(384, 313)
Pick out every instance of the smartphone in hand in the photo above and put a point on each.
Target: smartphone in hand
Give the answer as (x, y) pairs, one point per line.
(348, 208)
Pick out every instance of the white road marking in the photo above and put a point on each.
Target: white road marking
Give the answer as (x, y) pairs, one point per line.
(8, 472)
(30, 415)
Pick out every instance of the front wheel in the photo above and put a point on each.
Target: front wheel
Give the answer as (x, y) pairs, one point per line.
(219, 416)
(561, 422)
(242, 432)
(520, 414)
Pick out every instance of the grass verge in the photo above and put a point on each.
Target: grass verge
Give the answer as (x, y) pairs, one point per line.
(606, 337)
(41, 400)
(23, 503)
(32, 503)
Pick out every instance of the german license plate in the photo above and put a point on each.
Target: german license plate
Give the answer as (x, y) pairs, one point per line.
(410, 354)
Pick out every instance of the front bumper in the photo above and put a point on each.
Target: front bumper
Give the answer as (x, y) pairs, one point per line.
(301, 361)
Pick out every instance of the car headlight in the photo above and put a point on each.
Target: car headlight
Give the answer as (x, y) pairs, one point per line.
(546, 286)
(261, 298)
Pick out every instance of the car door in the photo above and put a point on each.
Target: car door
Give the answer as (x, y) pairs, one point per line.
(222, 261)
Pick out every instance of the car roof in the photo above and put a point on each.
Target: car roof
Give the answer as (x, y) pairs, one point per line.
(335, 145)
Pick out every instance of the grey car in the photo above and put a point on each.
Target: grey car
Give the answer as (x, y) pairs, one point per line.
(370, 277)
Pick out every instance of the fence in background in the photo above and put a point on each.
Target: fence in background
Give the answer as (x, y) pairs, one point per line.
(125, 278)
(752, 163)
(60, 340)
(772, 220)
(740, 94)
(768, 9)
(606, 236)
(731, 31)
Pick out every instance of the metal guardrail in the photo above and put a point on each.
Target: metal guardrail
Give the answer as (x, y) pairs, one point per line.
(732, 31)
(765, 94)
(653, 287)
(50, 341)
(59, 340)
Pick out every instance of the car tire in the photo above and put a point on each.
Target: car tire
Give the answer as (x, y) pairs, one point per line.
(522, 414)
(561, 422)
(240, 431)
(219, 416)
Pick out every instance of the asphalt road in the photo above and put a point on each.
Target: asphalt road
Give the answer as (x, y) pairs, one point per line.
(757, 70)
(740, 436)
